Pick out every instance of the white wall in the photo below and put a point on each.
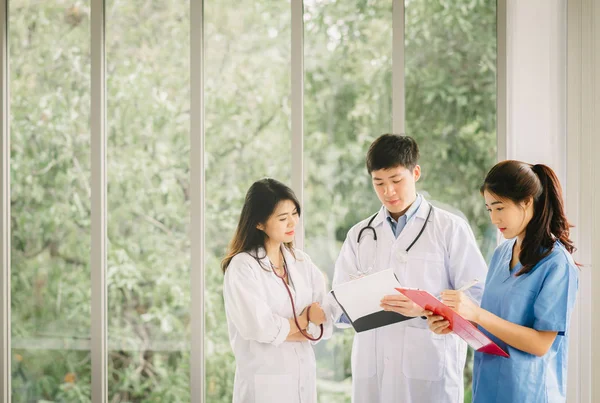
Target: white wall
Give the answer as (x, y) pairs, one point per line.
(552, 107)
(536, 82)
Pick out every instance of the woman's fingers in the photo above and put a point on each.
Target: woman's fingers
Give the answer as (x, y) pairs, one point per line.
(449, 295)
(450, 304)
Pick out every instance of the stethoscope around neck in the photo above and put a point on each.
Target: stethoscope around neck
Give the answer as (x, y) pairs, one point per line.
(287, 287)
(369, 228)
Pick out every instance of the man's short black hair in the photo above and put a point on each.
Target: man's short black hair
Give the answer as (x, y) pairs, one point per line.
(391, 151)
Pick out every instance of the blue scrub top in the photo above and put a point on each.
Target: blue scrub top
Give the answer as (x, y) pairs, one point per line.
(542, 299)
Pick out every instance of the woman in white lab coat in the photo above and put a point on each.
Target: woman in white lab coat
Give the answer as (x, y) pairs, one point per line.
(273, 296)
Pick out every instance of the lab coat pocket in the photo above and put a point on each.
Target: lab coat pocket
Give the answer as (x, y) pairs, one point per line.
(424, 356)
(425, 271)
(275, 388)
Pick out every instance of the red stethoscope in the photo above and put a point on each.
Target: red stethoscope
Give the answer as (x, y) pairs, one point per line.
(285, 273)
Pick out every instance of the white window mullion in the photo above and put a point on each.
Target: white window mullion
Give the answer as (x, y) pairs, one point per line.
(98, 191)
(197, 196)
(5, 344)
(398, 101)
(501, 83)
(297, 105)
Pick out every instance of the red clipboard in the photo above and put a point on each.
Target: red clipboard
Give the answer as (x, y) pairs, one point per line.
(459, 325)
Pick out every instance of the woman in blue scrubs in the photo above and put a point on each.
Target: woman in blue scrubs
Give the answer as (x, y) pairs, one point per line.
(530, 289)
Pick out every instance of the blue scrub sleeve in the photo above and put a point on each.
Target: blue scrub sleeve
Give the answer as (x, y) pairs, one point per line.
(555, 301)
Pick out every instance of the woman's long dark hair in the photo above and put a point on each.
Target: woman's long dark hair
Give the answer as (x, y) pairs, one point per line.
(518, 181)
(261, 200)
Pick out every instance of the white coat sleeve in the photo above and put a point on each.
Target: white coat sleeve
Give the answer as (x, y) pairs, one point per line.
(319, 295)
(465, 260)
(246, 306)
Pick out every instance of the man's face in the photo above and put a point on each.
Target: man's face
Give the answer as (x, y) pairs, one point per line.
(395, 187)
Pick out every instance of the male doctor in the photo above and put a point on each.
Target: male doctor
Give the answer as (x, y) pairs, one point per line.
(428, 248)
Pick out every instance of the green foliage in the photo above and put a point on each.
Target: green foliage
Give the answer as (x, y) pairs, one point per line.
(450, 109)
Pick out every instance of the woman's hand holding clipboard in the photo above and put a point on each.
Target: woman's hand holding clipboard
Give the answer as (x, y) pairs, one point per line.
(457, 324)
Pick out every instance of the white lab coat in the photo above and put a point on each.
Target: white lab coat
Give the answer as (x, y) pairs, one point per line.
(269, 369)
(406, 362)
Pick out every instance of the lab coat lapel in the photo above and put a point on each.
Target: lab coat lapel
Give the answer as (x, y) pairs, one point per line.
(385, 239)
(280, 287)
(414, 226)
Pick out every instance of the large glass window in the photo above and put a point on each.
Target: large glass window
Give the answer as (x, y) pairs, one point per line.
(450, 70)
(348, 102)
(50, 200)
(450, 91)
(148, 154)
(247, 93)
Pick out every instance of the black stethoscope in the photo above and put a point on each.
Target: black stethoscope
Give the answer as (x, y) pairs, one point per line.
(282, 277)
(403, 255)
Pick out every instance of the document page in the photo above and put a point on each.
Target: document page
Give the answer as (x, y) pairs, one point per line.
(363, 296)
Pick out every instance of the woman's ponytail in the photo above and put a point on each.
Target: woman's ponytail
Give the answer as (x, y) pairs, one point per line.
(552, 198)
